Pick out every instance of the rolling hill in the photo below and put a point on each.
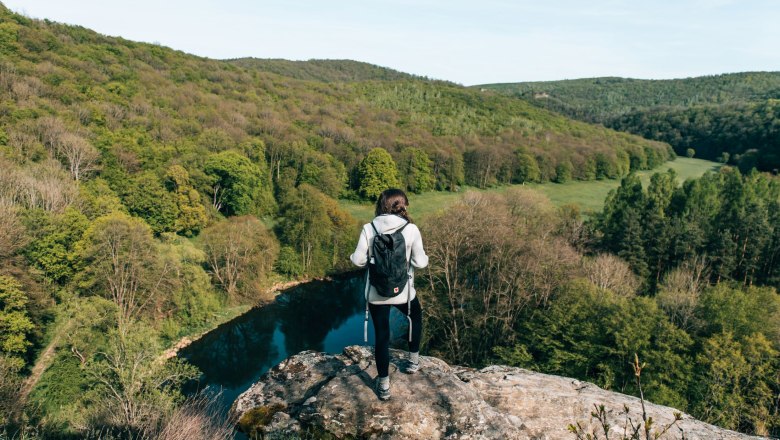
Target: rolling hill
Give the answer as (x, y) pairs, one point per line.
(145, 107)
(732, 117)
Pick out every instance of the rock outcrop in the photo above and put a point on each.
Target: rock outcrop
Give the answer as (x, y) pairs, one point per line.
(333, 394)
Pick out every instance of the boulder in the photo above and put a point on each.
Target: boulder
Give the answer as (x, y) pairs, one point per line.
(317, 394)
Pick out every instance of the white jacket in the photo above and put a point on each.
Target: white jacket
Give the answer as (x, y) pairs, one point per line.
(415, 254)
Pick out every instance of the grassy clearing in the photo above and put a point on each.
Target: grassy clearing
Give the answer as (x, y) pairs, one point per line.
(589, 195)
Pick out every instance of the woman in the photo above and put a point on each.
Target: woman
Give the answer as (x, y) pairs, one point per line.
(392, 215)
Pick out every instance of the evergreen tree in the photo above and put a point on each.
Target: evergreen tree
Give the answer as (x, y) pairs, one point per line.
(621, 223)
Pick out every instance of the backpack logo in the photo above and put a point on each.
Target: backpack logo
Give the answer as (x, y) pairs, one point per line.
(388, 269)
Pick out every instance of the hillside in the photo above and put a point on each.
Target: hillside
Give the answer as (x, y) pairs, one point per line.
(323, 70)
(736, 114)
(138, 100)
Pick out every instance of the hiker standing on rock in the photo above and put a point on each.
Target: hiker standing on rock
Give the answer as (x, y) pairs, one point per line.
(392, 247)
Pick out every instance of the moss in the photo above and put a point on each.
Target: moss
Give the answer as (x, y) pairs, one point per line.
(258, 417)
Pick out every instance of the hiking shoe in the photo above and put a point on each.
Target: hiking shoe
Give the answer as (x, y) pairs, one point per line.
(382, 393)
(411, 367)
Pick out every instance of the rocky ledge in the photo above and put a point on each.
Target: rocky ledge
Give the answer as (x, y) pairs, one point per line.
(322, 395)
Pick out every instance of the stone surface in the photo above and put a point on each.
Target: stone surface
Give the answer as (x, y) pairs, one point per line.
(334, 394)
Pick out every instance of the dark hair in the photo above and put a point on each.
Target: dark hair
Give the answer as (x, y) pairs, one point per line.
(393, 201)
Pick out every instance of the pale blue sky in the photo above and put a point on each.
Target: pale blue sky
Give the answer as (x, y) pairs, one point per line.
(469, 42)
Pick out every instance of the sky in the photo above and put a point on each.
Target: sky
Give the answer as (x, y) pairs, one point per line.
(467, 42)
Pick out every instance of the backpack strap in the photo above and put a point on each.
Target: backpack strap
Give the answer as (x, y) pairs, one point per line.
(365, 323)
(408, 288)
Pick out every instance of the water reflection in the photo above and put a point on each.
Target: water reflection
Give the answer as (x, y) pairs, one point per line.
(321, 315)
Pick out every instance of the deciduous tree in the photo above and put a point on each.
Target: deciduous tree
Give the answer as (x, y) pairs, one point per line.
(15, 324)
(376, 173)
(239, 252)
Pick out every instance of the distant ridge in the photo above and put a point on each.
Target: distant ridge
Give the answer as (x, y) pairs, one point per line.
(595, 99)
(323, 70)
(733, 118)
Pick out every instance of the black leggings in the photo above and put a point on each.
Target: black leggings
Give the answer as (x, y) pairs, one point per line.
(380, 314)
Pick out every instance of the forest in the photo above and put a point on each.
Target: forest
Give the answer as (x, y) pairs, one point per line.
(684, 276)
(147, 194)
(732, 118)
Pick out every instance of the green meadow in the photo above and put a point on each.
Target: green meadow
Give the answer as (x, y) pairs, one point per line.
(589, 195)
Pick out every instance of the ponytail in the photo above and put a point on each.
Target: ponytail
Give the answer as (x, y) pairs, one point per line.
(393, 201)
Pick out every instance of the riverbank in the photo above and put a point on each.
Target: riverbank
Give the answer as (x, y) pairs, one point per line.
(324, 316)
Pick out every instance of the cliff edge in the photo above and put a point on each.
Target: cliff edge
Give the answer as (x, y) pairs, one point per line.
(332, 396)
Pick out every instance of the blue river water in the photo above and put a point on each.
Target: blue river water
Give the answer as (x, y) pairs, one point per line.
(319, 315)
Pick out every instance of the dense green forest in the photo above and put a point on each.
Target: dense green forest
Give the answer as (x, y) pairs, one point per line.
(686, 277)
(147, 194)
(733, 118)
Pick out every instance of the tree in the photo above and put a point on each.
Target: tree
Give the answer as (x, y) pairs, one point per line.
(239, 252)
(134, 389)
(192, 214)
(689, 152)
(563, 172)
(289, 262)
(416, 170)
(98, 199)
(606, 168)
(79, 155)
(609, 272)
(317, 228)
(323, 171)
(15, 324)
(448, 170)
(483, 282)
(53, 249)
(621, 224)
(238, 186)
(121, 261)
(12, 232)
(527, 169)
(592, 333)
(680, 290)
(736, 380)
(657, 227)
(10, 391)
(376, 173)
(147, 198)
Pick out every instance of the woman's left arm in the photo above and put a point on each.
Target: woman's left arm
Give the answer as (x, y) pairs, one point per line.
(418, 259)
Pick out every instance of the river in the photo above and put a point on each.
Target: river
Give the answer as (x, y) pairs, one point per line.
(319, 315)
